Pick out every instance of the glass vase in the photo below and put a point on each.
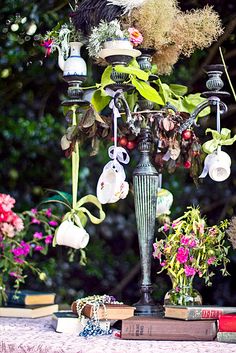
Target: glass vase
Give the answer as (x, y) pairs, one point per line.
(183, 294)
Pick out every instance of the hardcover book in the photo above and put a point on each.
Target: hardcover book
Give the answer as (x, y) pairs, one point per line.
(110, 312)
(227, 323)
(28, 297)
(68, 322)
(197, 312)
(151, 328)
(229, 337)
(28, 311)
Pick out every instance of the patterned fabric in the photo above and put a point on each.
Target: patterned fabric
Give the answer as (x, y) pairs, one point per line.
(37, 336)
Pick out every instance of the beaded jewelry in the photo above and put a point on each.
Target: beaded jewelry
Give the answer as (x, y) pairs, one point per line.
(92, 328)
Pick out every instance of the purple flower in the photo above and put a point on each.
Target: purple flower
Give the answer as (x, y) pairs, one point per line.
(48, 239)
(189, 271)
(53, 223)
(182, 255)
(38, 235)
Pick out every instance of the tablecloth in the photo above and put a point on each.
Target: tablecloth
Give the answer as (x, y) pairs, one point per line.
(37, 335)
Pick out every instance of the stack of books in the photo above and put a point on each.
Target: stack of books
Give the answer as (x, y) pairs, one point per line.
(29, 304)
(227, 328)
(69, 322)
(195, 323)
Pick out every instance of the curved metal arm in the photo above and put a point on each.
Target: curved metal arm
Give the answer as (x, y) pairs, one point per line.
(211, 101)
(118, 98)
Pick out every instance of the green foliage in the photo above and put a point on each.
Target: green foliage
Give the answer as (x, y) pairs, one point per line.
(219, 139)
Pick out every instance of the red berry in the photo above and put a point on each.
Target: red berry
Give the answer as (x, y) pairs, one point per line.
(131, 145)
(187, 164)
(187, 134)
(123, 141)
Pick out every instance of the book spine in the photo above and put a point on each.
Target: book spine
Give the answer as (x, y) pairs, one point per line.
(226, 337)
(18, 299)
(144, 330)
(204, 314)
(227, 324)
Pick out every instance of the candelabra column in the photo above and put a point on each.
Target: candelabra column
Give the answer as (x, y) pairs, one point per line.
(145, 180)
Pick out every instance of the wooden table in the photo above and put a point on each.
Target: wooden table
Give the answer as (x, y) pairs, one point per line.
(37, 335)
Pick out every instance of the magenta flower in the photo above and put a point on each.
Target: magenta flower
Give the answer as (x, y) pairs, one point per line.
(192, 243)
(184, 240)
(166, 227)
(48, 239)
(34, 210)
(18, 260)
(48, 212)
(47, 44)
(163, 263)
(182, 255)
(38, 248)
(53, 223)
(211, 260)
(35, 221)
(38, 235)
(189, 271)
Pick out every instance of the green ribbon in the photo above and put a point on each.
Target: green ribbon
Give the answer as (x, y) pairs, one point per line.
(219, 139)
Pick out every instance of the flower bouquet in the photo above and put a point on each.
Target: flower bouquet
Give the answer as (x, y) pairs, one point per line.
(22, 236)
(191, 248)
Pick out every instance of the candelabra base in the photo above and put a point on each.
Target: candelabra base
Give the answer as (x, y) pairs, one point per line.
(146, 306)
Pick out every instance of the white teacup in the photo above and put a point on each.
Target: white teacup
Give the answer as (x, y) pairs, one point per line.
(217, 164)
(111, 185)
(68, 234)
(164, 202)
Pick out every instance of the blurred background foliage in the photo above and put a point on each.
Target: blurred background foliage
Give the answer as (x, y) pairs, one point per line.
(32, 124)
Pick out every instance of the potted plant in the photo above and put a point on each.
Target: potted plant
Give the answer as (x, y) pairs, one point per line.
(190, 248)
(21, 237)
(109, 37)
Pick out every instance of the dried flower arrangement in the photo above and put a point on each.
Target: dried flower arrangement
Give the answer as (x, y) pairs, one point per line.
(178, 33)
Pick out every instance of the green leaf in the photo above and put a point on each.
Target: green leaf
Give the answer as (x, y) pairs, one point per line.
(147, 91)
(61, 197)
(191, 101)
(132, 100)
(179, 90)
(210, 146)
(99, 100)
(132, 70)
(106, 76)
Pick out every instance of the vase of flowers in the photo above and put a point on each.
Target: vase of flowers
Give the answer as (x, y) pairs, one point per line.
(191, 248)
(21, 237)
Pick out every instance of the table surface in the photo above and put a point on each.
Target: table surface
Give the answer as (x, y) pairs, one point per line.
(37, 335)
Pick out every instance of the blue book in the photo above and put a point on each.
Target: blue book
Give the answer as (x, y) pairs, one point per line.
(29, 297)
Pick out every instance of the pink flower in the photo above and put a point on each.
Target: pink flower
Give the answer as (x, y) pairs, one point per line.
(189, 271)
(182, 255)
(38, 248)
(174, 224)
(201, 228)
(34, 210)
(17, 223)
(18, 260)
(211, 260)
(48, 239)
(163, 263)
(7, 202)
(35, 221)
(13, 274)
(135, 36)
(47, 44)
(53, 223)
(184, 240)
(166, 227)
(48, 212)
(7, 230)
(192, 243)
(38, 235)
(18, 251)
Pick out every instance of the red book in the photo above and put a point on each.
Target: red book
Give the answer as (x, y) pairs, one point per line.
(227, 323)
